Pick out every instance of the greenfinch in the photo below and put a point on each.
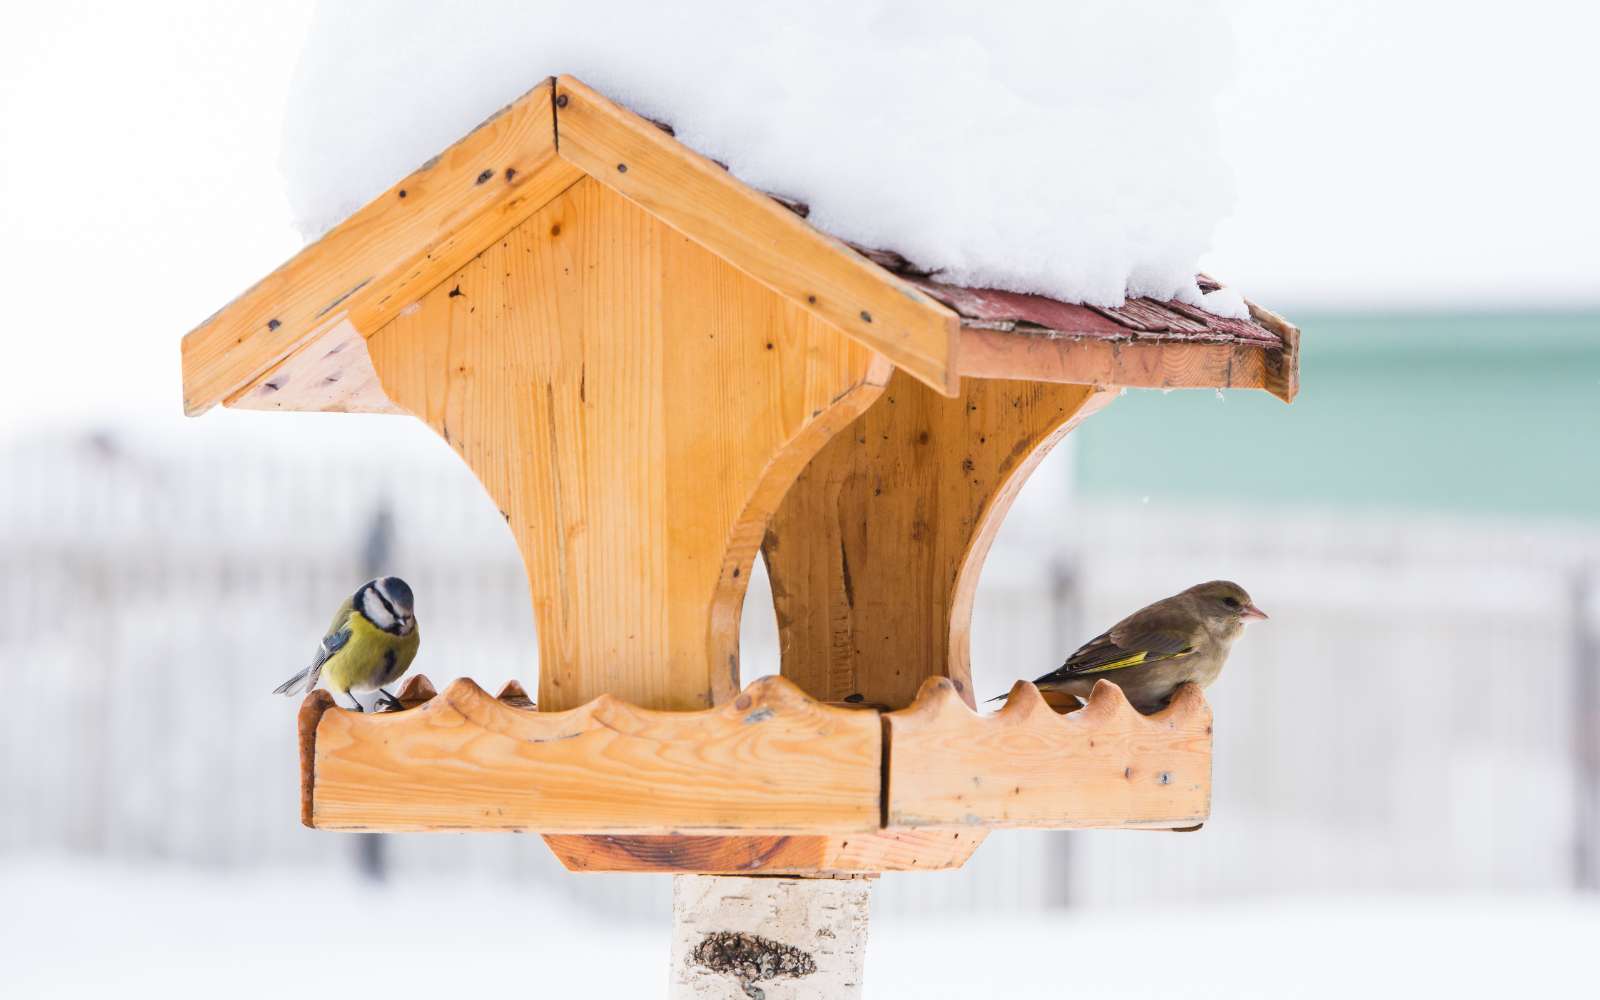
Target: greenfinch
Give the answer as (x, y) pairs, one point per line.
(1177, 640)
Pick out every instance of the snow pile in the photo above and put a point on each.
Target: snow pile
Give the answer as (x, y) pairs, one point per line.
(77, 929)
(1068, 149)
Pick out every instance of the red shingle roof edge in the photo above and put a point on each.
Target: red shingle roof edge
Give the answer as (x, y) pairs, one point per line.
(1138, 318)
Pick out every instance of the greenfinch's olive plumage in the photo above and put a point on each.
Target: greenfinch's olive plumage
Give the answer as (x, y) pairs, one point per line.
(1150, 653)
(369, 645)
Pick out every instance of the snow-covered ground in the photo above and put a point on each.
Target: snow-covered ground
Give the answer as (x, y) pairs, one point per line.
(74, 928)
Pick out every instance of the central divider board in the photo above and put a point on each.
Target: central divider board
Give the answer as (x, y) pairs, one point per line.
(771, 760)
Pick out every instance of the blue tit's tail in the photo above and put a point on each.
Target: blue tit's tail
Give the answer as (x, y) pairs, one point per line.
(305, 680)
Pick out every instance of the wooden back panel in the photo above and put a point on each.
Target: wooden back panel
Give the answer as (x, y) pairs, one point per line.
(875, 553)
(636, 407)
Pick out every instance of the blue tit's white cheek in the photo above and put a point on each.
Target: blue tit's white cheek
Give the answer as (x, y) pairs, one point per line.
(373, 608)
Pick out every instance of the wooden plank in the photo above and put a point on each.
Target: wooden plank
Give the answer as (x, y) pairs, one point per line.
(926, 849)
(317, 703)
(418, 690)
(1102, 766)
(875, 553)
(636, 407)
(1108, 364)
(757, 235)
(369, 267)
(993, 306)
(771, 761)
(1283, 367)
(331, 373)
(997, 309)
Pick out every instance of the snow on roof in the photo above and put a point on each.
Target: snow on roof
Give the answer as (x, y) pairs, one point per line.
(1065, 150)
(1224, 315)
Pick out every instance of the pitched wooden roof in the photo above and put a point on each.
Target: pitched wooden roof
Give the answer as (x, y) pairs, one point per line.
(298, 321)
(1018, 335)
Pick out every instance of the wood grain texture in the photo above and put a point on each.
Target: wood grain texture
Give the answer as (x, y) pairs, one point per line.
(1110, 364)
(926, 849)
(1144, 318)
(875, 553)
(418, 690)
(771, 761)
(1102, 766)
(1283, 367)
(333, 373)
(758, 235)
(317, 703)
(636, 407)
(369, 267)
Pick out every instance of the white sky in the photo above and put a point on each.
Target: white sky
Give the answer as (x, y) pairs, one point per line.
(1405, 153)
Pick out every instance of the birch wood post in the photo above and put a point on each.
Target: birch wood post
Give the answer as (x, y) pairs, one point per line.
(768, 938)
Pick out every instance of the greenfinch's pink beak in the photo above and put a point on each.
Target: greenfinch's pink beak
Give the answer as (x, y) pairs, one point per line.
(1251, 613)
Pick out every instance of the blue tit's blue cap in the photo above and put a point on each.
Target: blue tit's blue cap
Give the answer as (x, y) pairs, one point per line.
(398, 592)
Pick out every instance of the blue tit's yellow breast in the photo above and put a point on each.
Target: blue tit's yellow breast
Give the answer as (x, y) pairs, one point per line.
(362, 663)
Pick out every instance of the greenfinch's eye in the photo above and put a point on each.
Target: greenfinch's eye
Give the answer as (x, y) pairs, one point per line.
(1231, 602)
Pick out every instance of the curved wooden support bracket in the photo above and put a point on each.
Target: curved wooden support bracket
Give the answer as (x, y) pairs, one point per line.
(636, 408)
(875, 553)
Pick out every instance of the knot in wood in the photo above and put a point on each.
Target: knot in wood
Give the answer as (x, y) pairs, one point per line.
(751, 959)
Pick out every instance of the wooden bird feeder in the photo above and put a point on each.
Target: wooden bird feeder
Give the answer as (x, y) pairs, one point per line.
(657, 371)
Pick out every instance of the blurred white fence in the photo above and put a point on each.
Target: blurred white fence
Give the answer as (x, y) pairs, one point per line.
(1406, 720)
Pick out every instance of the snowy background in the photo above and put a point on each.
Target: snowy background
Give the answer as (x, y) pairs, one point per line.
(1406, 772)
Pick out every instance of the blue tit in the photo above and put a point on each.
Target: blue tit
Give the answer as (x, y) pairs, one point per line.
(370, 644)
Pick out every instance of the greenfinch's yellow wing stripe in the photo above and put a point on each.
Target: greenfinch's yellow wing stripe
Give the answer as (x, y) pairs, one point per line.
(1126, 661)
(1132, 661)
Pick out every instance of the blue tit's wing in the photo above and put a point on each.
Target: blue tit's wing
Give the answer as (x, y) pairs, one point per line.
(331, 644)
(307, 679)
(338, 637)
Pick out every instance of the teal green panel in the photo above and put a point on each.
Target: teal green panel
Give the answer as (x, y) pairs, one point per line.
(1490, 413)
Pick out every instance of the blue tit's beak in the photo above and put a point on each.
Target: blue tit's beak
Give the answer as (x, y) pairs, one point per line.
(1252, 613)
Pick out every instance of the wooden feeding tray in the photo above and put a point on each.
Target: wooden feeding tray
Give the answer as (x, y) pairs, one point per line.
(773, 781)
(772, 760)
(658, 372)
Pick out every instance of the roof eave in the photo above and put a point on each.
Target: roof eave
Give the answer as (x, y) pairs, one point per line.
(413, 236)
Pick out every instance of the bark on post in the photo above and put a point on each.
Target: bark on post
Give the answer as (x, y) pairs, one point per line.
(736, 937)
